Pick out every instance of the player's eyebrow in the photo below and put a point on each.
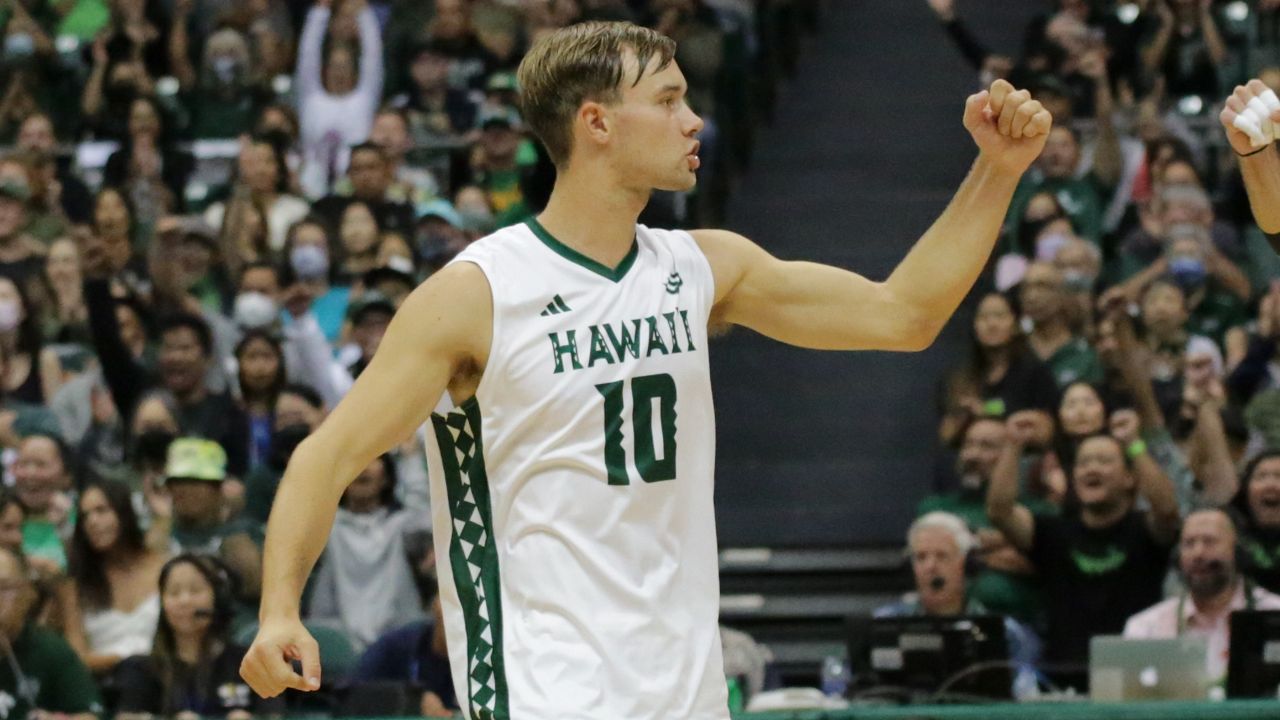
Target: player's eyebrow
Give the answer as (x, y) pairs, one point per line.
(671, 88)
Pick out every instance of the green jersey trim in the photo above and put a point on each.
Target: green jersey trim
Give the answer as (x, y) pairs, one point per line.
(573, 256)
(473, 558)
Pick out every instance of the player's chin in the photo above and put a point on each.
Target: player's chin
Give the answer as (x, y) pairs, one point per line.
(682, 181)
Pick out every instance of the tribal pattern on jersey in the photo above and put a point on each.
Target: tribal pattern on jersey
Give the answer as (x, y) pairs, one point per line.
(473, 558)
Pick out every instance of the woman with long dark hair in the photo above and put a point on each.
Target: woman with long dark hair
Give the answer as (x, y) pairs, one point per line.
(194, 665)
(260, 360)
(148, 166)
(114, 576)
(32, 372)
(1001, 376)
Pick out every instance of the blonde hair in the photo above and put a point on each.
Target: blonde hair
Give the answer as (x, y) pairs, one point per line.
(579, 63)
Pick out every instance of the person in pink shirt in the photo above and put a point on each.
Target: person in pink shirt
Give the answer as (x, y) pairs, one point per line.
(1213, 589)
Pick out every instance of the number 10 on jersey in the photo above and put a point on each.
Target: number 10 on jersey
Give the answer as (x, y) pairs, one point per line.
(646, 391)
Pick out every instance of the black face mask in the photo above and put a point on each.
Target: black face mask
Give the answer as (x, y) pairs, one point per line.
(284, 441)
(151, 447)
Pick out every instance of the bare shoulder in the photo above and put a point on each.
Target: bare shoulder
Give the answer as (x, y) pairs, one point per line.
(452, 311)
(729, 254)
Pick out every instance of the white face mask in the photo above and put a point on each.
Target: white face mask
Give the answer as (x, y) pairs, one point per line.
(255, 310)
(10, 315)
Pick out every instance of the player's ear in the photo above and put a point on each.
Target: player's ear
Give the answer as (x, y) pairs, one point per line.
(594, 121)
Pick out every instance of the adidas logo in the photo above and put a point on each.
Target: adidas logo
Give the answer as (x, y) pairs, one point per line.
(674, 282)
(555, 307)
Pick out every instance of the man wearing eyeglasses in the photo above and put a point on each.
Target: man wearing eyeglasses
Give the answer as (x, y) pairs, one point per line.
(40, 675)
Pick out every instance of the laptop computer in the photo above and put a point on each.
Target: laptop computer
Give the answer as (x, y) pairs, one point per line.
(964, 655)
(1253, 670)
(1123, 669)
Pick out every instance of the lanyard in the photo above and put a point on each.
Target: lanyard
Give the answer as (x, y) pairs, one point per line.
(1182, 605)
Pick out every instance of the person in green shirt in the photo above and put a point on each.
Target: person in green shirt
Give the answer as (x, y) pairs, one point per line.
(43, 482)
(1004, 582)
(1044, 303)
(43, 674)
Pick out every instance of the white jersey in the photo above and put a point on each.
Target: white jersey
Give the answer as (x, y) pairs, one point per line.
(572, 496)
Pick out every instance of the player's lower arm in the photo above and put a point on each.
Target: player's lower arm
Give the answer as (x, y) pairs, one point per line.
(298, 529)
(1262, 181)
(940, 270)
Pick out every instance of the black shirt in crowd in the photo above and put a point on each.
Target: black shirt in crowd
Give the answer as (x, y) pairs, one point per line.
(1028, 384)
(1094, 579)
(142, 690)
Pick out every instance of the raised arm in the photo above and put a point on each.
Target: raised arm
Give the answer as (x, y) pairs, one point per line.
(310, 50)
(370, 84)
(1163, 516)
(1003, 509)
(1259, 166)
(442, 329)
(818, 306)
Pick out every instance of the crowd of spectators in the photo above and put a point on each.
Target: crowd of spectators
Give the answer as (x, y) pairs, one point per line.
(209, 212)
(1111, 458)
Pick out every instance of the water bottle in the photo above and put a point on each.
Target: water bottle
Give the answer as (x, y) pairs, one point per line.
(835, 677)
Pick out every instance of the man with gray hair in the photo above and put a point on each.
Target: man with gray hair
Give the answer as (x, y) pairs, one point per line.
(938, 545)
(1177, 204)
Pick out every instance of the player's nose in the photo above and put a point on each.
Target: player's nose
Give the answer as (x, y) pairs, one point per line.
(695, 123)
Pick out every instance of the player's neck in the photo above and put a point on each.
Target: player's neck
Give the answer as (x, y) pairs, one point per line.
(594, 215)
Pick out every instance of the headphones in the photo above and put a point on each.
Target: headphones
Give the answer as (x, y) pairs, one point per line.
(220, 577)
(965, 541)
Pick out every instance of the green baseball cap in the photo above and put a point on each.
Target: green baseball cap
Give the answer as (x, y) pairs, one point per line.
(196, 459)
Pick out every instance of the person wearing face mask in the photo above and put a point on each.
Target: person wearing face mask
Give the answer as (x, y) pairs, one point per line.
(1213, 588)
(1173, 203)
(440, 234)
(1005, 583)
(308, 263)
(308, 357)
(1080, 263)
(298, 411)
(223, 97)
(1044, 303)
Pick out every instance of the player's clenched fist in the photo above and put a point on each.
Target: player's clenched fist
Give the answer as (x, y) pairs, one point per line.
(1251, 117)
(1009, 127)
(268, 665)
